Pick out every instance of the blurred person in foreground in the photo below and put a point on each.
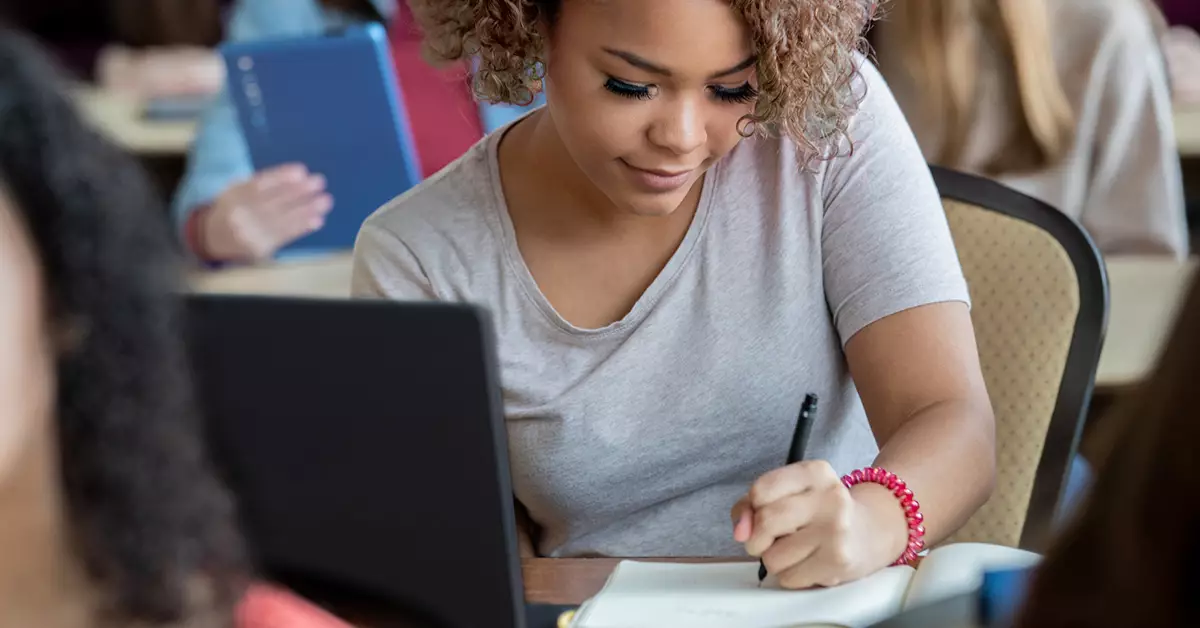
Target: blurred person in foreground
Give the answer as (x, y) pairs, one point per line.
(110, 513)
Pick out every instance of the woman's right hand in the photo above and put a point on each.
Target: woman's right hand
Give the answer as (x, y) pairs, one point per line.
(253, 219)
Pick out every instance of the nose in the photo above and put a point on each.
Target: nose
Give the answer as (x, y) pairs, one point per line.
(679, 127)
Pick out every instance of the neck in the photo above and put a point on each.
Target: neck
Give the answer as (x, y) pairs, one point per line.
(41, 584)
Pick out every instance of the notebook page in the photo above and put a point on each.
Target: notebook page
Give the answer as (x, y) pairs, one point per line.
(662, 595)
(954, 569)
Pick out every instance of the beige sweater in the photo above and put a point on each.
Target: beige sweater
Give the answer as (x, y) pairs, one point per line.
(1122, 178)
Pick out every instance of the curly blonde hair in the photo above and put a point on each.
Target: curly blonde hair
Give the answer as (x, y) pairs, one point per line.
(806, 58)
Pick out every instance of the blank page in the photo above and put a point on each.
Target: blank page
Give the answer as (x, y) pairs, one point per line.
(660, 595)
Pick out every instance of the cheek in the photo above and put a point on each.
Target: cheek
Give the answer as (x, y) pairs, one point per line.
(723, 135)
(594, 125)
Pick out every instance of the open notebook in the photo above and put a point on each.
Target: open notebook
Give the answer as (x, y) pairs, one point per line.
(659, 595)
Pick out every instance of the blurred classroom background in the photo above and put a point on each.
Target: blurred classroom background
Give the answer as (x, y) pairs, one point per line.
(141, 65)
(141, 70)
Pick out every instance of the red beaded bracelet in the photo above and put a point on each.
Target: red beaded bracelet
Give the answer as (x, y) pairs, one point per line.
(912, 508)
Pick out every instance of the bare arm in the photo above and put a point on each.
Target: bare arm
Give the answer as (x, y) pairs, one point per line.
(919, 378)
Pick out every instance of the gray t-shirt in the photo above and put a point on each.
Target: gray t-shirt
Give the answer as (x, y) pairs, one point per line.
(636, 439)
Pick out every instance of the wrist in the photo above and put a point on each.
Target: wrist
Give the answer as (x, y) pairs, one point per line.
(196, 234)
(887, 533)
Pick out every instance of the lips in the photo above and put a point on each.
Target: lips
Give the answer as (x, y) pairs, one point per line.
(665, 173)
(659, 180)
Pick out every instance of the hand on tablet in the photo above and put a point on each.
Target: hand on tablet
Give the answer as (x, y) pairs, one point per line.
(253, 219)
(810, 530)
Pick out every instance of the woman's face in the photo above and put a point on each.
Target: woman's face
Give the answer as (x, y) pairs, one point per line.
(647, 94)
(26, 360)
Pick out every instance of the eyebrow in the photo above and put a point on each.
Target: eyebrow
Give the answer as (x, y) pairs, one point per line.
(654, 68)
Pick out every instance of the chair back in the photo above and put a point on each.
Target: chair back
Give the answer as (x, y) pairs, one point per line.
(1039, 307)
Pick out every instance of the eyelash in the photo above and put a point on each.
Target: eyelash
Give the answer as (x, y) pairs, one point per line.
(738, 95)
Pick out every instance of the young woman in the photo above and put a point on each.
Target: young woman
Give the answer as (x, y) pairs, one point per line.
(229, 213)
(719, 211)
(1067, 101)
(110, 515)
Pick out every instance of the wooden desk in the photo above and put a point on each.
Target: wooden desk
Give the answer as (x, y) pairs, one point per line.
(573, 580)
(1187, 130)
(1145, 296)
(326, 277)
(118, 116)
(565, 580)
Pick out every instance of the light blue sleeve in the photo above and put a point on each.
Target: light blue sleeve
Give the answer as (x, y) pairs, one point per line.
(496, 116)
(219, 155)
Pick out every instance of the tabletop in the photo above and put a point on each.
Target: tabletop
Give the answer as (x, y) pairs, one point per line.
(565, 580)
(572, 581)
(1187, 130)
(118, 116)
(1145, 295)
(323, 277)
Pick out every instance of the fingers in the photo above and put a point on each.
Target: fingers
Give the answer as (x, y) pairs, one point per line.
(742, 517)
(789, 552)
(289, 195)
(306, 218)
(270, 178)
(779, 519)
(810, 475)
(823, 566)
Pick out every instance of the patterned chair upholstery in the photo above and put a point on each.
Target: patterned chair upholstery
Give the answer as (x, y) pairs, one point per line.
(1039, 307)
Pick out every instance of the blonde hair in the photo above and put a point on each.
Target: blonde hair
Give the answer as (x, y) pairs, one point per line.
(942, 44)
(807, 58)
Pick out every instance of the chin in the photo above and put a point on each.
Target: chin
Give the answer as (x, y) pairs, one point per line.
(651, 205)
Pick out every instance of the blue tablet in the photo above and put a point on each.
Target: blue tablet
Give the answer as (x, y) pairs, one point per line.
(331, 102)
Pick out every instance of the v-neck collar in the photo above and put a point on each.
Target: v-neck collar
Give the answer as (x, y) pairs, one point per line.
(648, 299)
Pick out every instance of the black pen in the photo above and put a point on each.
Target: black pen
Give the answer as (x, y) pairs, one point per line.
(804, 423)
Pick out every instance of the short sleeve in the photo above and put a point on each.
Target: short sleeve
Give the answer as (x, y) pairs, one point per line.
(385, 268)
(886, 245)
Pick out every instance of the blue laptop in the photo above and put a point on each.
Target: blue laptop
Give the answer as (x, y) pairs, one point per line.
(331, 102)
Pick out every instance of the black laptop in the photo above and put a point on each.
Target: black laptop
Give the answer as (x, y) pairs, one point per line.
(365, 442)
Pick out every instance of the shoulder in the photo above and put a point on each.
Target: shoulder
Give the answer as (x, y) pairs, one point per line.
(456, 199)
(877, 124)
(879, 121)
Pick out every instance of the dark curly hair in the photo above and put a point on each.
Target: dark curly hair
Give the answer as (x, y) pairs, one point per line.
(806, 58)
(149, 519)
